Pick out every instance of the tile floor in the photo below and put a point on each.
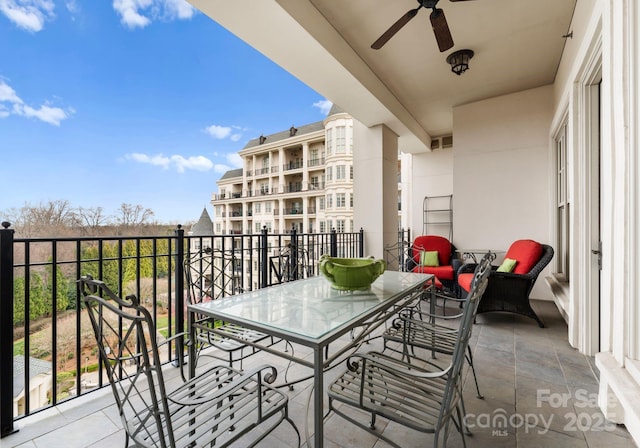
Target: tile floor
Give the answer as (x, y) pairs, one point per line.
(538, 392)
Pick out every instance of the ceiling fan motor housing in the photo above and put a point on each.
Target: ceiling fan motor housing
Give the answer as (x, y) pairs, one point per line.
(428, 3)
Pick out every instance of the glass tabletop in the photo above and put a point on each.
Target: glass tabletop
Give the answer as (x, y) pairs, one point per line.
(311, 308)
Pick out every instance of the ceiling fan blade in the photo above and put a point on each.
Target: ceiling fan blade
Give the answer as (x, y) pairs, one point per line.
(393, 29)
(441, 29)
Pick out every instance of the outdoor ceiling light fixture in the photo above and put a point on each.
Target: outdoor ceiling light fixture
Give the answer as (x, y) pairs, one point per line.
(459, 61)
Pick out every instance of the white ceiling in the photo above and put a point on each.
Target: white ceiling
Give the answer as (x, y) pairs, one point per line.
(407, 84)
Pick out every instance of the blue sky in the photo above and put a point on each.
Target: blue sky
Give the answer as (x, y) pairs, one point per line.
(147, 102)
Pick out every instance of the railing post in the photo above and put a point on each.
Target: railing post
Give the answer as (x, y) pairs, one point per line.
(333, 243)
(293, 260)
(361, 243)
(6, 330)
(180, 302)
(264, 258)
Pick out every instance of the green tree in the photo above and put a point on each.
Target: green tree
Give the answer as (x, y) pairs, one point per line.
(59, 296)
(90, 265)
(37, 299)
(18, 301)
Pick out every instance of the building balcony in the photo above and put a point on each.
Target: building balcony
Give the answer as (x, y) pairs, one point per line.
(293, 165)
(315, 162)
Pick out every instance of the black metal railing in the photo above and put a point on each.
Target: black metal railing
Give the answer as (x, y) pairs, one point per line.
(45, 334)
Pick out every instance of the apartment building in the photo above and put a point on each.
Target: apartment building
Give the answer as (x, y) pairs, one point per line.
(300, 178)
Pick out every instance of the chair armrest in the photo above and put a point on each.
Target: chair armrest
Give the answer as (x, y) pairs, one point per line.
(186, 393)
(422, 324)
(457, 264)
(392, 366)
(410, 314)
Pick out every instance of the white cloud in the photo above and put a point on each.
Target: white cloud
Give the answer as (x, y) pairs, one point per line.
(180, 163)
(8, 94)
(234, 160)
(219, 132)
(140, 13)
(28, 14)
(221, 168)
(178, 9)
(129, 15)
(233, 133)
(72, 6)
(323, 105)
(197, 163)
(46, 113)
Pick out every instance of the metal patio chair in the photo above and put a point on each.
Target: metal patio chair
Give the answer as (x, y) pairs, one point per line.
(217, 407)
(208, 278)
(426, 397)
(414, 328)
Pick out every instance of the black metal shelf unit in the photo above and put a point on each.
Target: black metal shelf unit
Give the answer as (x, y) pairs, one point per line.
(437, 216)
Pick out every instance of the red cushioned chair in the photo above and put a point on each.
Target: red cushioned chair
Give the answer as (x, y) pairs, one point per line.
(509, 291)
(448, 263)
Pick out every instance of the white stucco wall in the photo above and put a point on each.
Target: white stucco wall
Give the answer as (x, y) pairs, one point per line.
(501, 146)
(431, 175)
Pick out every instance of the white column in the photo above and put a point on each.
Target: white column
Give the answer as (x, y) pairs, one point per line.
(375, 187)
(305, 167)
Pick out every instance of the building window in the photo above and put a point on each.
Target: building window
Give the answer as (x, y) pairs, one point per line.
(218, 227)
(340, 172)
(329, 225)
(329, 172)
(341, 141)
(330, 201)
(256, 208)
(268, 207)
(351, 172)
(351, 226)
(321, 203)
(350, 139)
(322, 227)
(351, 200)
(341, 200)
(340, 225)
(562, 205)
(265, 162)
(257, 227)
(330, 141)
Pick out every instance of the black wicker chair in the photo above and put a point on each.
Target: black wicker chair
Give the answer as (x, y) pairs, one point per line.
(509, 291)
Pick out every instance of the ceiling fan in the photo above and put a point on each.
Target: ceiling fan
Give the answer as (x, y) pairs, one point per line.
(438, 22)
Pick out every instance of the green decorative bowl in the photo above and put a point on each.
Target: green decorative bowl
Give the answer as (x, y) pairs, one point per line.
(351, 274)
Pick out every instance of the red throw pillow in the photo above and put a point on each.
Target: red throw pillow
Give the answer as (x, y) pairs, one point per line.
(526, 253)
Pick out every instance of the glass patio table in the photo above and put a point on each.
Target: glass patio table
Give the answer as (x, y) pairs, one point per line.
(311, 313)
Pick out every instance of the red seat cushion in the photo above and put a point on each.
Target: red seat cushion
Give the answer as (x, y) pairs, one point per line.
(442, 272)
(429, 243)
(464, 280)
(526, 253)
